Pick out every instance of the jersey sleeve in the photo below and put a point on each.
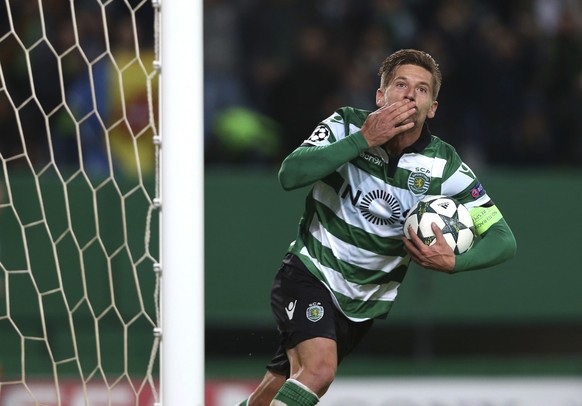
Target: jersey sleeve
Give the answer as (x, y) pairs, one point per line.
(497, 245)
(327, 148)
(496, 242)
(462, 184)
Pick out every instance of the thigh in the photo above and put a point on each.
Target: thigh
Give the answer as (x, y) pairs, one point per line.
(303, 309)
(302, 306)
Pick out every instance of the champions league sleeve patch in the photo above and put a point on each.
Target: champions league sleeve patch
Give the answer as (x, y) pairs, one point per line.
(477, 191)
(321, 133)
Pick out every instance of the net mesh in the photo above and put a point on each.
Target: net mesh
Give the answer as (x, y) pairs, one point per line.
(78, 192)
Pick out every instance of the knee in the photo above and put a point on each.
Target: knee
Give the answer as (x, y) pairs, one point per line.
(318, 376)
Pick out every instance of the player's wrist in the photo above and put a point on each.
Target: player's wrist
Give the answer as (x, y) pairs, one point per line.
(360, 141)
(461, 261)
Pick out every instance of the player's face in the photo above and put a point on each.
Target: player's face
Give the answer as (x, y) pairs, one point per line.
(414, 83)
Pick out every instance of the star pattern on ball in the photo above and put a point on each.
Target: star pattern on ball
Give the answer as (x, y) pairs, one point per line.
(449, 215)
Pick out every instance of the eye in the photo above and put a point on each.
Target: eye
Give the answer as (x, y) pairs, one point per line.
(423, 89)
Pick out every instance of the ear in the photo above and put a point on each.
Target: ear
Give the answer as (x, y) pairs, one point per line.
(380, 98)
(432, 111)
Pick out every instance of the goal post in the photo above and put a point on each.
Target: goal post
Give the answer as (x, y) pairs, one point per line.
(182, 146)
(101, 203)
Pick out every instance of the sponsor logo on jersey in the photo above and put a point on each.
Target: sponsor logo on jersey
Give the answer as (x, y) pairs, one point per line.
(314, 312)
(418, 182)
(477, 191)
(380, 208)
(371, 158)
(321, 133)
(290, 309)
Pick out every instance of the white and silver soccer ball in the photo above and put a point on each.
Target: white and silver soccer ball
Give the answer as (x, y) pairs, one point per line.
(450, 216)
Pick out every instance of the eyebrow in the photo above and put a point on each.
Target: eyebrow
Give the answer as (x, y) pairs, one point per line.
(407, 79)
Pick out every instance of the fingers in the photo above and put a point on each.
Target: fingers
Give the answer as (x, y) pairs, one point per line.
(404, 106)
(415, 238)
(412, 251)
(413, 243)
(399, 106)
(438, 233)
(388, 121)
(398, 111)
(405, 111)
(438, 256)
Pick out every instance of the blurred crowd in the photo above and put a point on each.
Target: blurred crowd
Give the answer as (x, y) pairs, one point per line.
(512, 73)
(74, 87)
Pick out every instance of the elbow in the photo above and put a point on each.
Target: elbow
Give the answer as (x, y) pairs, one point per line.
(286, 180)
(512, 246)
(509, 247)
(297, 172)
(292, 174)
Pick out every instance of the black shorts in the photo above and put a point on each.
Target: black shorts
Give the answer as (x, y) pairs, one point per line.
(304, 309)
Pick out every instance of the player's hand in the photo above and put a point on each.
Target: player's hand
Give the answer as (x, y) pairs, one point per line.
(386, 122)
(438, 256)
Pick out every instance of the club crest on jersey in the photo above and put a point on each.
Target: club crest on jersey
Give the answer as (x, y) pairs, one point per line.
(418, 183)
(314, 312)
(321, 133)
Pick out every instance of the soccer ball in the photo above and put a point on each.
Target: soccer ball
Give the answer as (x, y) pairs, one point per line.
(449, 215)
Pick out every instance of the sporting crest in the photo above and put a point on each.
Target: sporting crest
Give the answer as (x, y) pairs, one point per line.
(314, 312)
(418, 183)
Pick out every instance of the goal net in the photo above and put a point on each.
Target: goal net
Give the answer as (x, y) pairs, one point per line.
(79, 221)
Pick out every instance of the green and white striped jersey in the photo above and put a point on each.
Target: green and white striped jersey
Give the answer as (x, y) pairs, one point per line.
(350, 232)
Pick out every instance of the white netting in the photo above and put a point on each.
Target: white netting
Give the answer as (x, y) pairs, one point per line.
(78, 192)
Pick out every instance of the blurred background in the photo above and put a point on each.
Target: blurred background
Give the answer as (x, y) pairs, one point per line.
(512, 83)
(511, 103)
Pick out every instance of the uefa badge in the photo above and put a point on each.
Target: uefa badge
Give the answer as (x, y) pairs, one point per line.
(314, 312)
(321, 133)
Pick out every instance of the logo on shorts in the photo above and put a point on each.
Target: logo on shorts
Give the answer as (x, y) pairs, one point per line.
(314, 312)
(290, 309)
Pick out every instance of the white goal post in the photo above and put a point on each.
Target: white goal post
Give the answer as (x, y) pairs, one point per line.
(101, 203)
(182, 204)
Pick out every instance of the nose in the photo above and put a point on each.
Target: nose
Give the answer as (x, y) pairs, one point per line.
(410, 93)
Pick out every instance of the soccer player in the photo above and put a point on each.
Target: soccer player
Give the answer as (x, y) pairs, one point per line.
(366, 170)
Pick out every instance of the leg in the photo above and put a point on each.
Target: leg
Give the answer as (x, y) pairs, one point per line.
(267, 389)
(314, 363)
(309, 325)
